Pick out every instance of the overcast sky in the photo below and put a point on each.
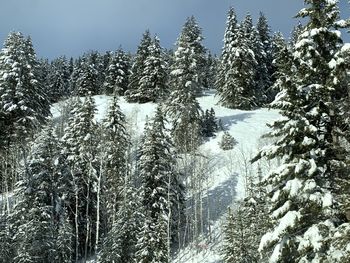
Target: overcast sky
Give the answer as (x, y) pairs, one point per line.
(70, 27)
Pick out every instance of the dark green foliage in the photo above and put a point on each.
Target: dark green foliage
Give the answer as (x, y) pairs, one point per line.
(265, 68)
(211, 69)
(229, 42)
(304, 189)
(114, 153)
(38, 219)
(182, 106)
(80, 147)
(160, 196)
(117, 73)
(138, 67)
(209, 123)
(153, 83)
(58, 79)
(23, 104)
(119, 245)
(88, 75)
(227, 141)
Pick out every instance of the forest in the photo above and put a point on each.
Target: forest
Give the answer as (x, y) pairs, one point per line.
(81, 184)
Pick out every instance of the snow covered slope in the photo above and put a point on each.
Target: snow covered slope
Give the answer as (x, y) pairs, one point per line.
(229, 167)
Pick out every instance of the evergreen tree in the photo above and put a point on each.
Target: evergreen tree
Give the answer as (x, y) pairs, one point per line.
(297, 30)
(238, 90)
(227, 141)
(157, 171)
(114, 149)
(120, 244)
(209, 123)
(153, 83)
(265, 69)
(6, 245)
(190, 43)
(88, 80)
(304, 188)
(243, 229)
(282, 63)
(58, 79)
(36, 220)
(81, 149)
(255, 43)
(210, 71)
(117, 73)
(23, 104)
(229, 42)
(138, 67)
(182, 106)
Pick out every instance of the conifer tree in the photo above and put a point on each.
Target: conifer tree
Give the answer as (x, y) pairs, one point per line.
(87, 80)
(211, 68)
(239, 90)
(6, 242)
(304, 204)
(229, 43)
(227, 141)
(153, 82)
(81, 150)
(265, 68)
(244, 229)
(117, 73)
(157, 171)
(182, 106)
(119, 245)
(58, 79)
(115, 147)
(37, 217)
(209, 123)
(138, 66)
(23, 104)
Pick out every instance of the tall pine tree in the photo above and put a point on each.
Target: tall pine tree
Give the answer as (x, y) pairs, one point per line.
(304, 188)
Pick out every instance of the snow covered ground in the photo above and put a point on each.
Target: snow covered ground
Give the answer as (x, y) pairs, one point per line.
(227, 180)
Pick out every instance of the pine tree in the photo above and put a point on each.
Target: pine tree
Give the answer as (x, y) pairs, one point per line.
(227, 141)
(244, 228)
(157, 172)
(182, 106)
(265, 69)
(209, 123)
(114, 149)
(36, 217)
(58, 79)
(297, 30)
(190, 43)
(81, 149)
(282, 63)
(138, 67)
(229, 43)
(6, 245)
(260, 71)
(87, 80)
(238, 90)
(304, 187)
(23, 104)
(153, 83)
(210, 71)
(119, 245)
(117, 73)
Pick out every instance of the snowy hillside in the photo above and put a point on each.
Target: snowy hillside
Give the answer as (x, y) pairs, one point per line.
(226, 181)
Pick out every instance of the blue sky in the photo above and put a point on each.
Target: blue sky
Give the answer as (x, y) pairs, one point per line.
(70, 27)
